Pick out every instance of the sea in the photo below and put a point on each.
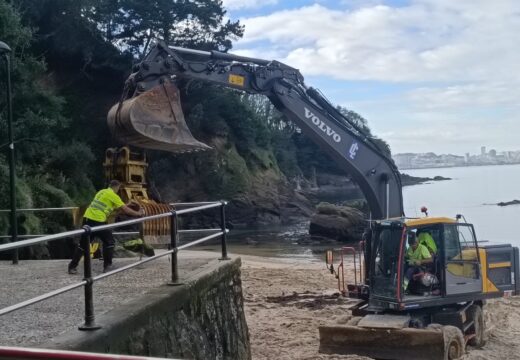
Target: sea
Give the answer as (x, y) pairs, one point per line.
(471, 191)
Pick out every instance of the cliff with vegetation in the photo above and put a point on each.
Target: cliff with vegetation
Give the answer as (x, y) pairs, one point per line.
(70, 60)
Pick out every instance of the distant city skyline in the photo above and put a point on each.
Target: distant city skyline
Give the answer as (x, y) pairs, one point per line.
(477, 151)
(431, 160)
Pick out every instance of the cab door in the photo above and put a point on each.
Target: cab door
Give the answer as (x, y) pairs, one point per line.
(462, 273)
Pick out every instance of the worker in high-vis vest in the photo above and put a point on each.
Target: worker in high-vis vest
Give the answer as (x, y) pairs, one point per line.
(104, 203)
(416, 256)
(426, 239)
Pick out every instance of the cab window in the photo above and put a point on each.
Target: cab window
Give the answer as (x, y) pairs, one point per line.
(460, 251)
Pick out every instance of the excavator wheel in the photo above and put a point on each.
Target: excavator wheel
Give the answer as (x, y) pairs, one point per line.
(454, 344)
(154, 120)
(475, 314)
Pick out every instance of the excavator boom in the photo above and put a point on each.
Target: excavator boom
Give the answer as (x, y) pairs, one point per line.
(150, 115)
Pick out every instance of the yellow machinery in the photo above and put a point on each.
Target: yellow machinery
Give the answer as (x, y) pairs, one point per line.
(440, 309)
(130, 169)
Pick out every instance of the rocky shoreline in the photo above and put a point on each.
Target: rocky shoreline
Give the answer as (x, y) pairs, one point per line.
(288, 202)
(341, 223)
(408, 180)
(334, 204)
(507, 203)
(345, 222)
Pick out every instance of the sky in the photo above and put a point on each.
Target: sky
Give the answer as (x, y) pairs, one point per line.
(428, 75)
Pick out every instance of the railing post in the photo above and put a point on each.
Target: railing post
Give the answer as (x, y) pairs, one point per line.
(90, 323)
(174, 235)
(223, 226)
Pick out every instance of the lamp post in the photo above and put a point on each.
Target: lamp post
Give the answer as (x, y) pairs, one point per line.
(6, 51)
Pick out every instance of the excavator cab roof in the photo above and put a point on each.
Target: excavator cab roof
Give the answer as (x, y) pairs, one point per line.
(415, 222)
(429, 221)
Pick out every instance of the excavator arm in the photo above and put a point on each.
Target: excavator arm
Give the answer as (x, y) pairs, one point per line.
(151, 83)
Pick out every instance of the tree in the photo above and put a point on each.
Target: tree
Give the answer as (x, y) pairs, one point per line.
(41, 129)
(133, 24)
(362, 124)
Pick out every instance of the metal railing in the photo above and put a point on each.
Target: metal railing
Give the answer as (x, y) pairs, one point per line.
(21, 353)
(42, 209)
(89, 280)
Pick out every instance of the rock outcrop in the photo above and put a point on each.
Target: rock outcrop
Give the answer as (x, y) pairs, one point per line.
(337, 222)
(507, 203)
(408, 180)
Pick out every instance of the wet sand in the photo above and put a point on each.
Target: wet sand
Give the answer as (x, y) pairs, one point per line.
(287, 299)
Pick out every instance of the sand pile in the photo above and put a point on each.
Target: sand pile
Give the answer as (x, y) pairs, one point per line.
(286, 301)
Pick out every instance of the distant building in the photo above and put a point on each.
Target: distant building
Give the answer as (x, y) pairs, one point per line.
(404, 161)
(432, 160)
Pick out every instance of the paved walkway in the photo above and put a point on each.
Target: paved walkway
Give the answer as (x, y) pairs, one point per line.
(40, 322)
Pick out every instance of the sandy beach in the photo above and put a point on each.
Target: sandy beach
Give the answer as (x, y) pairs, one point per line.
(286, 300)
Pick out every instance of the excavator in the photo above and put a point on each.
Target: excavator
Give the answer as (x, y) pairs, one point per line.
(441, 311)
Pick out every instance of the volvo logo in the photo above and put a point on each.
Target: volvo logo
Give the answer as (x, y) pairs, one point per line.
(353, 150)
(322, 126)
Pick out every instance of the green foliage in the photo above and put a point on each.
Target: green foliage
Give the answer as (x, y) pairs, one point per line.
(50, 164)
(67, 164)
(354, 118)
(23, 200)
(212, 111)
(227, 174)
(133, 24)
(69, 63)
(362, 124)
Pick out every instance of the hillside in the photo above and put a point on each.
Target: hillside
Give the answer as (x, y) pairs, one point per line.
(69, 66)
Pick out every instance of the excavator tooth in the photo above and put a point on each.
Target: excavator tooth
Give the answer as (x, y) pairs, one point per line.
(154, 120)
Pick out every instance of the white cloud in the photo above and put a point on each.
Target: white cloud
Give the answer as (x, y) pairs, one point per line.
(487, 94)
(245, 4)
(430, 40)
(459, 62)
(456, 137)
(444, 120)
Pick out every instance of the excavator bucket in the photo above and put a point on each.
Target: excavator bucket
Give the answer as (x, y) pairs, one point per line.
(154, 120)
(388, 341)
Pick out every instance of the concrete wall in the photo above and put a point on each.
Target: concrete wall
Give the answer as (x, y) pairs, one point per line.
(202, 319)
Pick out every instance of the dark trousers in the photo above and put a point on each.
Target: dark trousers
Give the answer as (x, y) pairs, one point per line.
(106, 238)
(411, 271)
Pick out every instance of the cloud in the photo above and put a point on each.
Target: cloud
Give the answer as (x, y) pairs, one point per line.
(486, 94)
(429, 40)
(457, 130)
(246, 4)
(455, 65)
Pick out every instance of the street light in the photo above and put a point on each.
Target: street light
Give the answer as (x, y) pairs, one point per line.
(6, 51)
